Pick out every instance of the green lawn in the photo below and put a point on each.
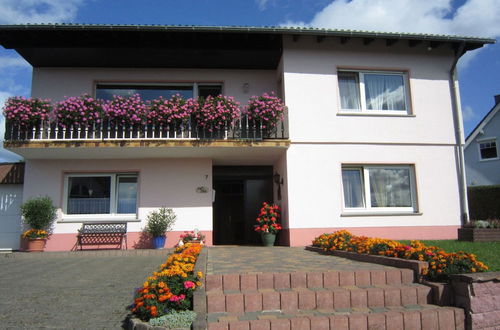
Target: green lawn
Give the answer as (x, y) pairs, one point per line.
(487, 252)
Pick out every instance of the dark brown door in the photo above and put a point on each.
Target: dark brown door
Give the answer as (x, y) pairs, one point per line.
(239, 194)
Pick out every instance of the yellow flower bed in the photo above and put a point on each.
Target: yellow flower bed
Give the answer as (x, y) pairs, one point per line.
(171, 287)
(440, 262)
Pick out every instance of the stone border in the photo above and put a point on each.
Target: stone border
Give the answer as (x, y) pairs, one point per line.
(199, 296)
(479, 234)
(415, 265)
(478, 294)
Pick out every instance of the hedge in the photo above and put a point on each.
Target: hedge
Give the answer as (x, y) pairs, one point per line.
(484, 202)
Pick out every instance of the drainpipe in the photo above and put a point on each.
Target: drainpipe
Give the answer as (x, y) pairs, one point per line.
(459, 136)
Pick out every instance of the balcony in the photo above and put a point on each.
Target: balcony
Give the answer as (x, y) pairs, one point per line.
(241, 130)
(127, 127)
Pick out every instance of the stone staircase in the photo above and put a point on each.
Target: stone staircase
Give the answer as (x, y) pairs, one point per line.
(361, 299)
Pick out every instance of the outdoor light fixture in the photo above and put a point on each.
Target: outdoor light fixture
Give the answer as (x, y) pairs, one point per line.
(277, 178)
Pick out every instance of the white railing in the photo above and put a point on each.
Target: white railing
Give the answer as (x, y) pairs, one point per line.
(242, 129)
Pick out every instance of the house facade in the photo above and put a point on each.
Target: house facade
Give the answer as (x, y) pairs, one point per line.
(371, 140)
(482, 152)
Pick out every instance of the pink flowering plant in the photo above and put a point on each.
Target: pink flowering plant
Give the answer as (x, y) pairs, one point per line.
(266, 110)
(192, 236)
(217, 113)
(175, 111)
(25, 112)
(125, 110)
(82, 110)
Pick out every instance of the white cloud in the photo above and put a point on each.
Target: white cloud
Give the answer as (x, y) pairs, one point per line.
(13, 62)
(38, 11)
(468, 113)
(262, 4)
(474, 17)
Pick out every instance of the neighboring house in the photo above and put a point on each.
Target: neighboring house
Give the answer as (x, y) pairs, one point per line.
(11, 196)
(482, 161)
(369, 143)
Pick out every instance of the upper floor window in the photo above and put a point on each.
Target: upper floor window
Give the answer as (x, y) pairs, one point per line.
(153, 91)
(370, 91)
(488, 149)
(379, 188)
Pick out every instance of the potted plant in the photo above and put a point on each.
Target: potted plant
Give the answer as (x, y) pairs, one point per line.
(268, 223)
(217, 113)
(265, 111)
(159, 223)
(39, 215)
(193, 236)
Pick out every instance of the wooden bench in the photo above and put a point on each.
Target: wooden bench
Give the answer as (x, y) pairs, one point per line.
(102, 233)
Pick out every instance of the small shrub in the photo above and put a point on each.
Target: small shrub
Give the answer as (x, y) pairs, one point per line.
(174, 319)
(39, 213)
(481, 224)
(160, 222)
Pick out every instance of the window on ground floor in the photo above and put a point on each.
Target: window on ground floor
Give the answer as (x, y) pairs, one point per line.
(488, 149)
(373, 91)
(147, 92)
(104, 194)
(379, 187)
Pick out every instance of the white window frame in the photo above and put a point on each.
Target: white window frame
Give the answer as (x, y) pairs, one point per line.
(113, 198)
(365, 169)
(485, 140)
(194, 85)
(362, 93)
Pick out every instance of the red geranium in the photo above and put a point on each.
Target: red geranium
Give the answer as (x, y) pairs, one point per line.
(268, 219)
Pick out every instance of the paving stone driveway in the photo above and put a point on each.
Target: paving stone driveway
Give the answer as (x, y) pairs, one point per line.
(75, 290)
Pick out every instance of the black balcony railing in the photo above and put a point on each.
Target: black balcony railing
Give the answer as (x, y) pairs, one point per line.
(241, 129)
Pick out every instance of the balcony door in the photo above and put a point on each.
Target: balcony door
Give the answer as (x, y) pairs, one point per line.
(239, 194)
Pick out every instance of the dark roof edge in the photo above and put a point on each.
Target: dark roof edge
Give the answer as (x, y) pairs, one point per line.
(252, 29)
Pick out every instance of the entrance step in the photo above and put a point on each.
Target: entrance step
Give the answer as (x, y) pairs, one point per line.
(238, 302)
(408, 317)
(327, 279)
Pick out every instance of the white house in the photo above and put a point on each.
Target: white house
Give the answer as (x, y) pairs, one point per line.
(371, 142)
(482, 162)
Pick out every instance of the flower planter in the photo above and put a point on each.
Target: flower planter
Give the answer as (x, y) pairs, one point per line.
(268, 239)
(479, 234)
(159, 242)
(36, 244)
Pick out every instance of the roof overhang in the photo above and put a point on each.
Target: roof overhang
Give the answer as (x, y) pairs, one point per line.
(165, 46)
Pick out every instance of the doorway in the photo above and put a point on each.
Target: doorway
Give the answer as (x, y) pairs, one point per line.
(239, 194)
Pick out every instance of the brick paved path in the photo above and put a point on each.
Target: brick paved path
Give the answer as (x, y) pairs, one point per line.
(77, 290)
(251, 259)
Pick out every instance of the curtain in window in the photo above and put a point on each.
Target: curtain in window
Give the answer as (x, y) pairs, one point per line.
(353, 188)
(390, 187)
(384, 92)
(89, 195)
(349, 90)
(127, 195)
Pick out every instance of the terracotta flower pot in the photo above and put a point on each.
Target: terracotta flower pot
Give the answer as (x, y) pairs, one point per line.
(36, 244)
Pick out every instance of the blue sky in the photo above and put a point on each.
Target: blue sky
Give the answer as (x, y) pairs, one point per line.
(479, 71)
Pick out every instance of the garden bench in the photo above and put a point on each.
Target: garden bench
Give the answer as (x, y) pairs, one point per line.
(102, 233)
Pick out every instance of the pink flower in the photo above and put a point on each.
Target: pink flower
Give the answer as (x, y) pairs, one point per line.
(189, 285)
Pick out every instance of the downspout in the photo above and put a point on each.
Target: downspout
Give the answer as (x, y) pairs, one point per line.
(459, 135)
